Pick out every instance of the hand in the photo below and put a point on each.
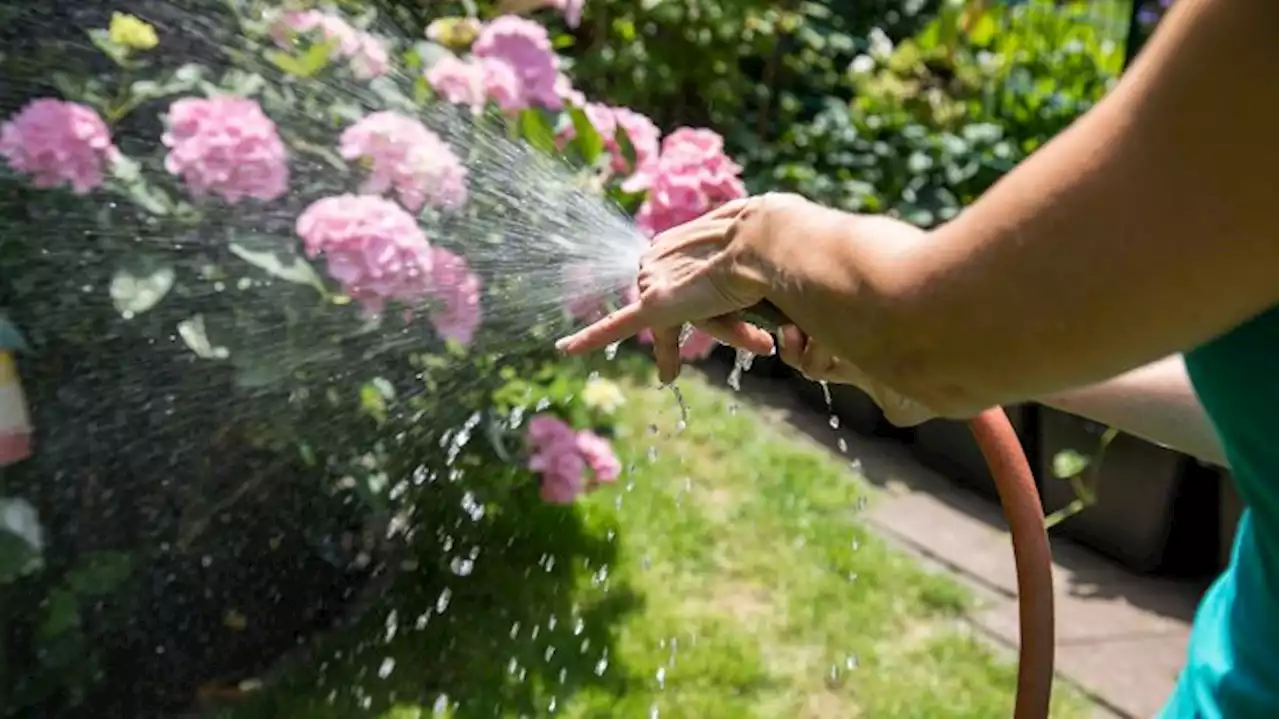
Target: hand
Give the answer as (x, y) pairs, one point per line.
(816, 362)
(701, 273)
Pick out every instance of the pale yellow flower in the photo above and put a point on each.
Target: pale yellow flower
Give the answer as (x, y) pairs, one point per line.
(603, 395)
(131, 32)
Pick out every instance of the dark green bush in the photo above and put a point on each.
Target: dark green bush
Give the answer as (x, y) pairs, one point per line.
(938, 117)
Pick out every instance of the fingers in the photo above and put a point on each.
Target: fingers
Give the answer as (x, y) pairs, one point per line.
(738, 333)
(807, 356)
(791, 344)
(616, 327)
(666, 353)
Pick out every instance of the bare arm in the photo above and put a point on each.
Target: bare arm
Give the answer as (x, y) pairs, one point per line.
(1154, 402)
(1141, 231)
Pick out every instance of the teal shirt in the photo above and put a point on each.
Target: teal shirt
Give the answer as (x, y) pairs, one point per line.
(1231, 665)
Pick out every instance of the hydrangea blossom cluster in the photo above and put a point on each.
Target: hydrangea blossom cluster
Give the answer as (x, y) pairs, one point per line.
(564, 457)
(525, 47)
(227, 147)
(365, 53)
(372, 247)
(475, 81)
(690, 177)
(643, 134)
(455, 292)
(58, 142)
(406, 157)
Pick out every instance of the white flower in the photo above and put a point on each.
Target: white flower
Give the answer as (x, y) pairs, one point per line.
(19, 518)
(603, 395)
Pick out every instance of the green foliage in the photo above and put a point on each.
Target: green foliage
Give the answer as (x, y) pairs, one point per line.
(745, 68)
(938, 117)
(189, 366)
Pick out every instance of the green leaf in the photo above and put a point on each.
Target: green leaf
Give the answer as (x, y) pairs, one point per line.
(373, 402)
(11, 339)
(149, 198)
(17, 558)
(536, 131)
(279, 263)
(61, 613)
(586, 138)
(102, 40)
(309, 63)
(1069, 463)
(627, 149)
(99, 573)
(193, 333)
(140, 283)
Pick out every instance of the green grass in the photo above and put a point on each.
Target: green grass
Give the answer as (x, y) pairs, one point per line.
(727, 576)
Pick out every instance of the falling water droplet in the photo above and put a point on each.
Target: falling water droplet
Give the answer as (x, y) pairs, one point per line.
(611, 351)
(388, 665)
(461, 566)
(834, 421)
(741, 363)
(850, 662)
(442, 602)
(661, 677)
(684, 408)
(842, 445)
(440, 706)
(602, 666)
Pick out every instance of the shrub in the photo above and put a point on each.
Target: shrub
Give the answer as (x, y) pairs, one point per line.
(251, 251)
(938, 117)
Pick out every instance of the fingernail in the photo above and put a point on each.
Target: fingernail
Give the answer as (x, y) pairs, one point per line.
(562, 345)
(781, 342)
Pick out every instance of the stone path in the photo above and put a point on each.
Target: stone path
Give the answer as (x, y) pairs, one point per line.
(1121, 636)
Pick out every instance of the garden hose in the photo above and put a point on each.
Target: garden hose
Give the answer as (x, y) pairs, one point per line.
(1020, 501)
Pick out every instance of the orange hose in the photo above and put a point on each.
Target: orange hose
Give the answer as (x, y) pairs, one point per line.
(1032, 559)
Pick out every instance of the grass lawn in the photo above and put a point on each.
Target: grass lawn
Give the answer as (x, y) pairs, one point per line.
(728, 575)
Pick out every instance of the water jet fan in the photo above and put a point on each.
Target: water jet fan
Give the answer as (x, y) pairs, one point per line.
(1031, 554)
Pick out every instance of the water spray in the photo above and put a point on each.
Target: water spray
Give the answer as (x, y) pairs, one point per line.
(1020, 501)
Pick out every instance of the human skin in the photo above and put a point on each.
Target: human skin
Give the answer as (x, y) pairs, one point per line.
(1155, 402)
(1143, 229)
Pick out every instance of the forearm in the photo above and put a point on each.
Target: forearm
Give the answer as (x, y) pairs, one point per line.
(1142, 230)
(1155, 402)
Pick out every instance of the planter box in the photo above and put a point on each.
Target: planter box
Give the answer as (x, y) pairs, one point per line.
(948, 446)
(854, 408)
(1137, 490)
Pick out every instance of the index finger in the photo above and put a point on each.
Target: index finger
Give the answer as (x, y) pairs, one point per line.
(617, 326)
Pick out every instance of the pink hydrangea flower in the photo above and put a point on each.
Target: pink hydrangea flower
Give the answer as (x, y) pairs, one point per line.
(407, 157)
(227, 147)
(58, 142)
(690, 177)
(458, 81)
(567, 93)
(564, 457)
(475, 81)
(456, 291)
(644, 135)
(599, 456)
(524, 46)
(365, 53)
(372, 247)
